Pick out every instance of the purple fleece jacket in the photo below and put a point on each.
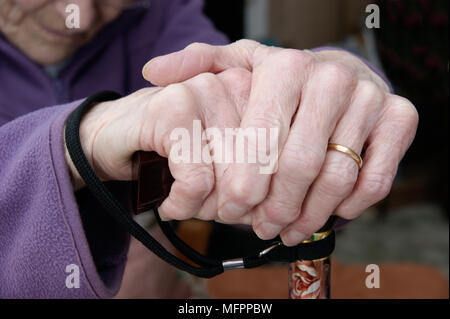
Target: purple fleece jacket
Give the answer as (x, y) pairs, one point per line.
(44, 226)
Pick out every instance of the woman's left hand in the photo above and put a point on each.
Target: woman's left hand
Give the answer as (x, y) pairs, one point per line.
(313, 99)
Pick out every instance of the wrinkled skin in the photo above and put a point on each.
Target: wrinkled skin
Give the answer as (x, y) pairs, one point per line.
(312, 98)
(37, 27)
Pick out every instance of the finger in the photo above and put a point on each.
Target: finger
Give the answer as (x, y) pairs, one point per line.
(325, 98)
(244, 220)
(339, 171)
(171, 134)
(237, 83)
(274, 98)
(221, 107)
(387, 144)
(198, 58)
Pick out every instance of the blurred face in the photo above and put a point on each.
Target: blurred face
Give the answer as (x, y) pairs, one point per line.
(38, 27)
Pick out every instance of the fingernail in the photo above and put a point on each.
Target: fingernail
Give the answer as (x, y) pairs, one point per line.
(267, 230)
(165, 218)
(231, 211)
(144, 69)
(293, 237)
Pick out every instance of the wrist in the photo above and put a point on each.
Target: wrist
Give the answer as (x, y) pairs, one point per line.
(88, 130)
(109, 135)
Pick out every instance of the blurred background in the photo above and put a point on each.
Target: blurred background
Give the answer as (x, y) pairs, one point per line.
(407, 234)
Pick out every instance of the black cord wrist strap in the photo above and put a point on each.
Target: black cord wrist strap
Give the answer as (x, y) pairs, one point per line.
(209, 267)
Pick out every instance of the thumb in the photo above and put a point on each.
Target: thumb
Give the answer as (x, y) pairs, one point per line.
(198, 58)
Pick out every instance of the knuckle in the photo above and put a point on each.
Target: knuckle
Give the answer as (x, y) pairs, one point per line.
(401, 119)
(369, 93)
(310, 223)
(301, 164)
(197, 46)
(277, 212)
(206, 82)
(247, 43)
(198, 183)
(293, 57)
(337, 180)
(238, 75)
(403, 109)
(377, 186)
(242, 192)
(237, 84)
(179, 104)
(261, 52)
(333, 75)
(179, 99)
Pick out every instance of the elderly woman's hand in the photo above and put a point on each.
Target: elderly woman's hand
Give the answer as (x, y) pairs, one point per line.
(313, 99)
(111, 132)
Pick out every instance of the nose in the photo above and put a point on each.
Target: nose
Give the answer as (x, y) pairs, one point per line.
(87, 10)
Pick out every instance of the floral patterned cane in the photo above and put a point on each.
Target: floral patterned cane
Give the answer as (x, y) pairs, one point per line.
(310, 279)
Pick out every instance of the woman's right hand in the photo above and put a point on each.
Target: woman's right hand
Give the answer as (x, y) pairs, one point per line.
(111, 132)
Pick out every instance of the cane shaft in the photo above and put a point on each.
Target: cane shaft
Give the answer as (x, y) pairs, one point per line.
(310, 279)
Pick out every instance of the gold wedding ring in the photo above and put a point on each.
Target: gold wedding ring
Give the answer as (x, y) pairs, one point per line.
(348, 151)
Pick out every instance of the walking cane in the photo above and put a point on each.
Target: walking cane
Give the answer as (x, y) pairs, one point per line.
(308, 279)
(310, 263)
